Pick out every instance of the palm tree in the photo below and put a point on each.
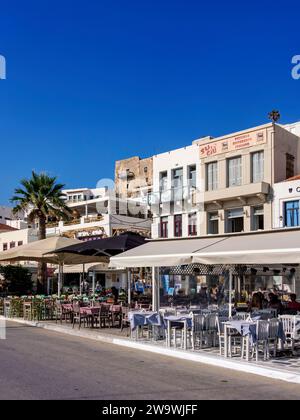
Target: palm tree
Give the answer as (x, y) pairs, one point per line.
(41, 197)
(274, 116)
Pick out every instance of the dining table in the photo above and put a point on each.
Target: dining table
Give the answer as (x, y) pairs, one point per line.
(144, 318)
(185, 320)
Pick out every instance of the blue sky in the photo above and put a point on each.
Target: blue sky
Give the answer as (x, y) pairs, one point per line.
(92, 82)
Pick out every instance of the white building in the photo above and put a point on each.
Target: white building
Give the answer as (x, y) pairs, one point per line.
(293, 128)
(175, 181)
(286, 203)
(98, 213)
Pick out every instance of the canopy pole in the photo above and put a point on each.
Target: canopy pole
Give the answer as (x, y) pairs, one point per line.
(230, 292)
(155, 289)
(93, 282)
(294, 282)
(81, 281)
(59, 281)
(129, 286)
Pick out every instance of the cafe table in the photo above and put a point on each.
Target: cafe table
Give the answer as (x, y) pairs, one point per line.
(143, 318)
(246, 329)
(185, 320)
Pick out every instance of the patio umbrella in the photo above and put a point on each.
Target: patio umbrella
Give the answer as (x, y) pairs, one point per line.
(45, 251)
(105, 248)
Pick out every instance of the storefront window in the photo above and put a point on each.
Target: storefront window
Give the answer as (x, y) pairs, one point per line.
(291, 210)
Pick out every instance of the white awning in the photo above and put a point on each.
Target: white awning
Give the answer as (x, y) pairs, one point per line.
(273, 247)
(163, 253)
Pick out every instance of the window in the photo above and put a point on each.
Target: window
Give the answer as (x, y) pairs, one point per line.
(213, 223)
(290, 166)
(291, 211)
(177, 184)
(164, 227)
(212, 176)
(235, 220)
(20, 243)
(192, 176)
(257, 167)
(234, 171)
(192, 224)
(178, 225)
(163, 181)
(5, 247)
(145, 169)
(258, 218)
(12, 245)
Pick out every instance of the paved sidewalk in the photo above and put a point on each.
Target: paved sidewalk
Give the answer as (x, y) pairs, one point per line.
(284, 368)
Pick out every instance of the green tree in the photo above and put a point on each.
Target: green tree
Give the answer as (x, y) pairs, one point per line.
(41, 197)
(16, 279)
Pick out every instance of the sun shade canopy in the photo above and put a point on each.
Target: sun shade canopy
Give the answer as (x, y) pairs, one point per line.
(274, 247)
(106, 247)
(45, 251)
(164, 253)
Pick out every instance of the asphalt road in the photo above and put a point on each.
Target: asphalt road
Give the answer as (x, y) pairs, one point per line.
(39, 364)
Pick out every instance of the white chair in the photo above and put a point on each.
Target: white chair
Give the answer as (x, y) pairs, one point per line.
(211, 330)
(220, 327)
(262, 339)
(197, 330)
(273, 336)
(289, 328)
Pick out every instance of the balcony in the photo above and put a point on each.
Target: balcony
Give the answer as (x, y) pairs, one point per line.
(260, 189)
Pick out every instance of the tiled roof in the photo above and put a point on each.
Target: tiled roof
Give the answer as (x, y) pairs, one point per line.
(6, 228)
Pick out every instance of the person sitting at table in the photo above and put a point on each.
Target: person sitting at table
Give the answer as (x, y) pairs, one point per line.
(274, 303)
(293, 304)
(115, 293)
(256, 303)
(203, 296)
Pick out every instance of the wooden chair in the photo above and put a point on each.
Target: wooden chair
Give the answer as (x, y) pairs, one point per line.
(79, 316)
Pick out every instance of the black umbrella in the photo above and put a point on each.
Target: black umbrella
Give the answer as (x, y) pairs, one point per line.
(106, 247)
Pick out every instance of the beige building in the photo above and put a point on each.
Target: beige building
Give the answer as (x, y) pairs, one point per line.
(238, 172)
(134, 178)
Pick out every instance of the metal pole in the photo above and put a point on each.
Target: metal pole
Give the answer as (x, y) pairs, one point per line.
(158, 287)
(154, 290)
(129, 286)
(59, 281)
(294, 282)
(93, 282)
(230, 293)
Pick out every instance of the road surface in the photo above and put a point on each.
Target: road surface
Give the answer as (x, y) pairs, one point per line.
(40, 364)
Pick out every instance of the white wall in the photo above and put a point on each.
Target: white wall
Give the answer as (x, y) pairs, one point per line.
(166, 162)
(24, 235)
(293, 128)
(283, 191)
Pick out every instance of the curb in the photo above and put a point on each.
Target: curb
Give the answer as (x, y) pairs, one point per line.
(206, 359)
